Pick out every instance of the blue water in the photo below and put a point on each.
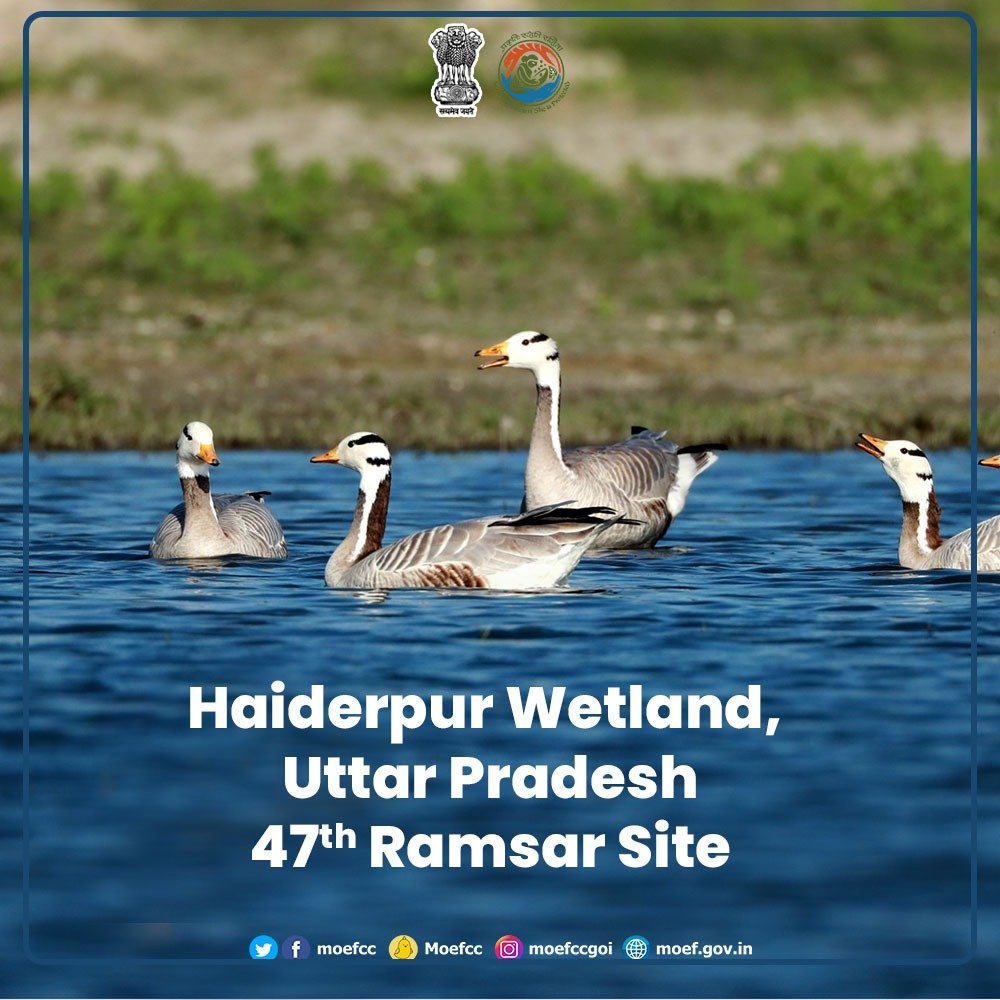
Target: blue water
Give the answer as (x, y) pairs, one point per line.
(849, 828)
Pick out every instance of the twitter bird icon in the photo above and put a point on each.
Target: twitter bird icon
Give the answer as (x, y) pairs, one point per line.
(263, 946)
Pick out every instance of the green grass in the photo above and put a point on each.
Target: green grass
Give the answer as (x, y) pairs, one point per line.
(111, 77)
(85, 136)
(841, 232)
(340, 74)
(819, 293)
(885, 64)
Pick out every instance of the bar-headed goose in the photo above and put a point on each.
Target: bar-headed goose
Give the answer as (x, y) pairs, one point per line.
(920, 543)
(206, 526)
(531, 551)
(646, 477)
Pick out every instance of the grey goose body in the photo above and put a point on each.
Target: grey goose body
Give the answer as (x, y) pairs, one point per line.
(646, 477)
(203, 526)
(530, 551)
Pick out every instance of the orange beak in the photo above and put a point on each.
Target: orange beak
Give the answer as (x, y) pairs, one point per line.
(207, 454)
(327, 456)
(872, 445)
(498, 351)
(993, 463)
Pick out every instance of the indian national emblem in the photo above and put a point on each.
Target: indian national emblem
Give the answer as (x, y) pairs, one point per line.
(455, 91)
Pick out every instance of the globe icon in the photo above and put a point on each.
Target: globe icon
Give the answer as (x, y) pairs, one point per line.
(636, 946)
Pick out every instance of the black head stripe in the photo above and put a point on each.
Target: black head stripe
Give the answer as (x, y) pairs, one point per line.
(188, 436)
(917, 451)
(538, 337)
(925, 475)
(366, 439)
(554, 356)
(379, 461)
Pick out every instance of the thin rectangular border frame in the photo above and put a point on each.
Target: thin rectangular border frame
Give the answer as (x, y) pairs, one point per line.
(472, 15)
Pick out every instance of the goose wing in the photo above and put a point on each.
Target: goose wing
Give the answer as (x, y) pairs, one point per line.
(544, 533)
(643, 466)
(169, 532)
(988, 543)
(956, 552)
(469, 553)
(247, 522)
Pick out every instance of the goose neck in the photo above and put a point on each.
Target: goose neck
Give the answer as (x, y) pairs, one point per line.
(198, 506)
(368, 527)
(921, 533)
(546, 447)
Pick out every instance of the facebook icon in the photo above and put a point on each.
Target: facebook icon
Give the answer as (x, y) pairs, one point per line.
(295, 946)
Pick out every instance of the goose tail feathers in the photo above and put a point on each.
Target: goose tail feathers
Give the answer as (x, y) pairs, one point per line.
(692, 461)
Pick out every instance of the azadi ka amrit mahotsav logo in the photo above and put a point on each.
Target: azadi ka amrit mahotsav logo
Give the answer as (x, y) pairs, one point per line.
(531, 71)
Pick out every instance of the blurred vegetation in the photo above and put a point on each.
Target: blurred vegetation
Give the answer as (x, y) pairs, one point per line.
(766, 64)
(168, 271)
(109, 77)
(836, 231)
(777, 64)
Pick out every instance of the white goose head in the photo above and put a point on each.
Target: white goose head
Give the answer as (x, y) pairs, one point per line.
(362, 451)
(904, 463)
(993, 463)
(195, 450)
(367, 454)
(537, 352)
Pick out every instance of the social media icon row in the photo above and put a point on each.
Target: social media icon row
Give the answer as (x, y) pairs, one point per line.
(403, 946)
(263, 946)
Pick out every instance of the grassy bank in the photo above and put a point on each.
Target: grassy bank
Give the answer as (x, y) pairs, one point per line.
(820, 293)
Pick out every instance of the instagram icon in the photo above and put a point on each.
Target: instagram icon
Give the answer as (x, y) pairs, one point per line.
(508, 947)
